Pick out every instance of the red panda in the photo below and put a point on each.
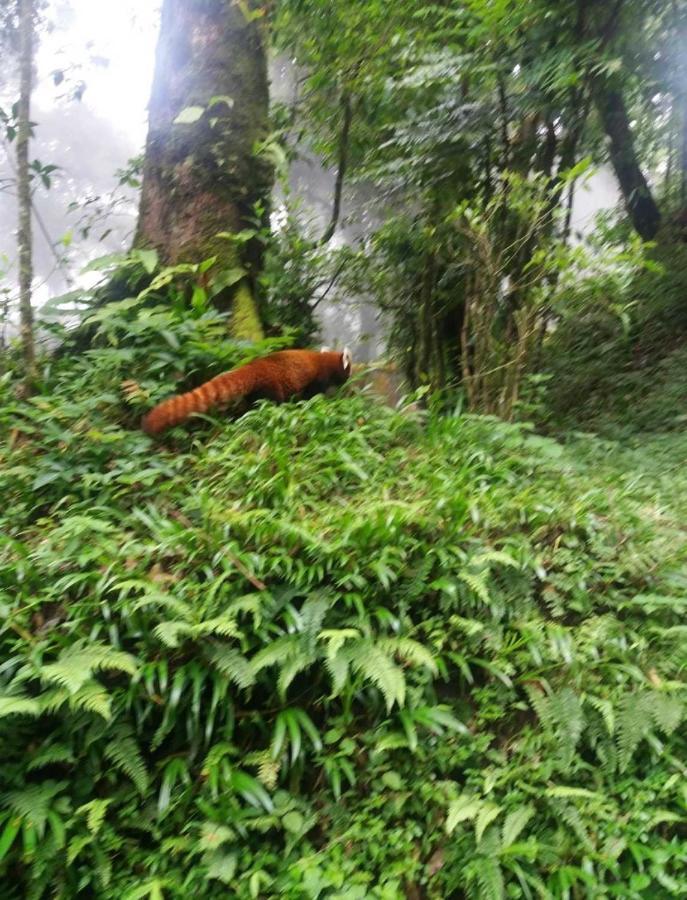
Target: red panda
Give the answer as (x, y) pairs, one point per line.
(279, 377)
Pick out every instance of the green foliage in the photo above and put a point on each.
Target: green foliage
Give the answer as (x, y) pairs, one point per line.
(328, 649)
(616, 361)
(299, 272)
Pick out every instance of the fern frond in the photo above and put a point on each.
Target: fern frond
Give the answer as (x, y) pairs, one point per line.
(478, 584)
(485, 817)
(336, 638)
(56, 753)
(234, 665)
(34, 803)
(92, 697)
(291, 669)
(169, 633)
(514, 824)
(76, 666)
(667, 711)
(605, 708)
(276, 653)
(94, 811)
(268, 768)
(124, 753)
(337, 666)
(224, 626)
(495, 556)
(634, 723)
(410, 651)
(76, 845)
(369, 660)
(465, 807)
(490, 879)
(572, 818)
(19, 706)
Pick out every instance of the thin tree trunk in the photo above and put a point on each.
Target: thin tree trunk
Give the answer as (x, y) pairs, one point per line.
(24, 190)
(201, 176)
(639, 202)
(347, 110)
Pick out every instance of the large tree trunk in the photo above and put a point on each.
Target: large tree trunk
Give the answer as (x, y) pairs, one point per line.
(200, 176)
(24, 190)
(639, 202)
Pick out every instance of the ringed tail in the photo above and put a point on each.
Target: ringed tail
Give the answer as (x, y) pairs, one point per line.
(175, 410)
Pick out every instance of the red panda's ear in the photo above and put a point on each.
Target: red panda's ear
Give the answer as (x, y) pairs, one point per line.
(325, 349)
(346, 359)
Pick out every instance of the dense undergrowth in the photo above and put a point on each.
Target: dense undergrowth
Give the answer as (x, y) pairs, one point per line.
(332, 650)
(617, 362)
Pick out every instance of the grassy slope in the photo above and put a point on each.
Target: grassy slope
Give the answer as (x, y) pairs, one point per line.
(333, 651)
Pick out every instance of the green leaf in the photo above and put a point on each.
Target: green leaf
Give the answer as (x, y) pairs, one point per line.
(10, 831)
(222, 867)
(189, 115)
(461, 809)
(485, 817)
(293, 821)
(149, 259)
(392, 780)
(514, 824)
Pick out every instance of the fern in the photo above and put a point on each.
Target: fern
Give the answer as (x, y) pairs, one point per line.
(378, 667)
(95, 811)
(667, 711)
(338, 668)
(77, 665)
(409, 651)
(514, 824)
(124, 753)
(224, 626)
(290, 670)
(461, 809)
(486, 815)
(564, 812)
(336, 638)
(635, 719)
(169, 633)
(92, 697)
(490, 879)
(234, 665)
(49, 756)
(276, 653)
(19, 706)
(477, 584)
(35, 803)
(562, 716)
(499, 557)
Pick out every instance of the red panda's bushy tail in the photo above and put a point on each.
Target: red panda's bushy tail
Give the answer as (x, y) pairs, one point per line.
(222, 389)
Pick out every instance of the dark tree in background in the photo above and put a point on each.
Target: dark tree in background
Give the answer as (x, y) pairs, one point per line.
(201, 176)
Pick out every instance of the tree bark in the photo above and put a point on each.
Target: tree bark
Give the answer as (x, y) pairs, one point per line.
(202, 177)
(639, 202)
(24, 190)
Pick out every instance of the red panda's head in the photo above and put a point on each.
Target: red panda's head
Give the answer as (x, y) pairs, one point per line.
(343, 367)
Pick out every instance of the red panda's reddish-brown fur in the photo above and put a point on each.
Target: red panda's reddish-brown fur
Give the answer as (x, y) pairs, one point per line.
(279, 377)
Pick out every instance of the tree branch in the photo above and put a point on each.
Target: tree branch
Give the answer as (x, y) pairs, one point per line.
(347, 109)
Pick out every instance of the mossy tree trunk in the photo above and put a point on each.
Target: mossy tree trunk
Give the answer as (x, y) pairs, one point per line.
(208, 109)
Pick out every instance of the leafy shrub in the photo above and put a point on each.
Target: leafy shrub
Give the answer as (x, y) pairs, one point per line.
(327, 650)
(616, 360)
